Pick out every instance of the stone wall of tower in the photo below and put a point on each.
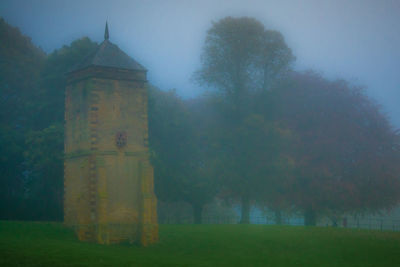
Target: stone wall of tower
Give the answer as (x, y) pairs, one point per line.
(109, 194)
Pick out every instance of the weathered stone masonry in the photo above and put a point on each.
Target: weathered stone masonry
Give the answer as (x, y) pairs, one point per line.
(108, 178)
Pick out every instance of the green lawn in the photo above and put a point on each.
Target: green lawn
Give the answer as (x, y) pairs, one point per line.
(50, 244)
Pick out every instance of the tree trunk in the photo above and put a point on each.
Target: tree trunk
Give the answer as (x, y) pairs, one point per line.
(197, 213)
(310, 218)
(334, 221)
(278, 217)
(245, 218)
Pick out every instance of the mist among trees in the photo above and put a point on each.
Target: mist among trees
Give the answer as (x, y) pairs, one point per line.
(260, 134)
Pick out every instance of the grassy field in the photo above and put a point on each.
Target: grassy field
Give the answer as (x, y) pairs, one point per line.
(50, 244)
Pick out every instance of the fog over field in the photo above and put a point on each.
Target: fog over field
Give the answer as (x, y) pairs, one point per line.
(200, 133)
(356, 40)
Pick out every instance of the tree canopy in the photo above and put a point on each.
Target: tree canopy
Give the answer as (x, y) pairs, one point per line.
(240, 56)
(32, 88)
(240, 60)
(346, 152)
(179, 136)
(20, 67)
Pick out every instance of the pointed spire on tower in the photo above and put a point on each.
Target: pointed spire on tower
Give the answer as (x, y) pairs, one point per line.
(106, 35)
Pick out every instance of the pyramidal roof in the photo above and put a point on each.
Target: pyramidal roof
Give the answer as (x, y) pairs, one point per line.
(109, 55)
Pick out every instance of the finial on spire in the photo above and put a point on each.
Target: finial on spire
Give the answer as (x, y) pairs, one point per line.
(106, 35)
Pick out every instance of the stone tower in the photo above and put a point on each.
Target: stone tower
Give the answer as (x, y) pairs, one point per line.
(108, 179)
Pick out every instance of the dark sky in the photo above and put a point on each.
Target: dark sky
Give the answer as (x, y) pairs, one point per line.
(358, 40)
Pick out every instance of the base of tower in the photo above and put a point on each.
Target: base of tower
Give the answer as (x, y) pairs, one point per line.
(117, 233)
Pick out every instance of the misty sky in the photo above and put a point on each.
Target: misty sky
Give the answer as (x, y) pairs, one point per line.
(358, 40)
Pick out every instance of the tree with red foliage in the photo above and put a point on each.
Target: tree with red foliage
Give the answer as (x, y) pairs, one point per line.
(347, 155)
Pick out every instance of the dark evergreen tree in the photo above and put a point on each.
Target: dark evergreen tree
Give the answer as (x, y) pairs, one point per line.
(180, 151)
(20, 67)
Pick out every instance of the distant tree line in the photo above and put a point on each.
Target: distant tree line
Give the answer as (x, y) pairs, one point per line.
(261, 134)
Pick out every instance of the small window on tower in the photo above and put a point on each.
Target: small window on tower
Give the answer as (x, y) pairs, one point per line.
(120, 139)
